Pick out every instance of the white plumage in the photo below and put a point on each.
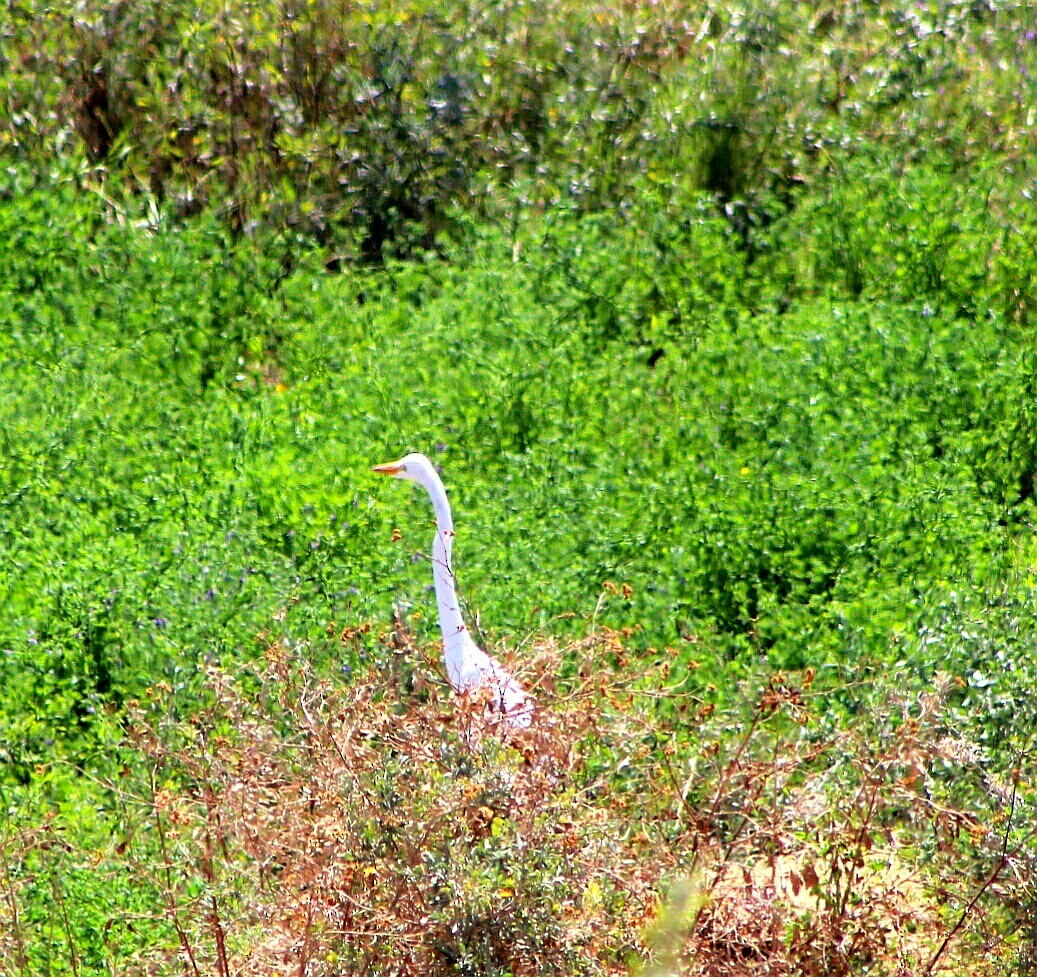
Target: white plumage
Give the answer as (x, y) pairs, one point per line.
(468, 667)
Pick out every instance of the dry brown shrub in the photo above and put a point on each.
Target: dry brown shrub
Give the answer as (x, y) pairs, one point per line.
(389, 827)
(383, 829)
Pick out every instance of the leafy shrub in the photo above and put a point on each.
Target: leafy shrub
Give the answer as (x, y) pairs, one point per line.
(359, 128)
(798, 481)
(747, 369)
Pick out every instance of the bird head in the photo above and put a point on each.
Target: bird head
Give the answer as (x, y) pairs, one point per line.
(412, 468)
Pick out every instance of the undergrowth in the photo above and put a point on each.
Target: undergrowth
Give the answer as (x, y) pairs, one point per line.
(283, 824)
(723, 314)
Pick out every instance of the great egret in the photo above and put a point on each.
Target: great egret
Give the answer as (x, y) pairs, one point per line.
(468, 667)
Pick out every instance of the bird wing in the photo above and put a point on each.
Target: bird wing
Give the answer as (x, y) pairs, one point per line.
(477, 669)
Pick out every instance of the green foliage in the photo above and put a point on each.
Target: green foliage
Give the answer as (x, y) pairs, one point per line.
(718, 321)
(358, 126)
(188, 427)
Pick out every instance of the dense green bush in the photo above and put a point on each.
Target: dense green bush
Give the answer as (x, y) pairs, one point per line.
(613, 399)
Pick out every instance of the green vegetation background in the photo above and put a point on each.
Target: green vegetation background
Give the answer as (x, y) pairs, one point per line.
(734, 306)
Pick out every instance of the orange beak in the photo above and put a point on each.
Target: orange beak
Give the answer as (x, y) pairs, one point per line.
(390, 469)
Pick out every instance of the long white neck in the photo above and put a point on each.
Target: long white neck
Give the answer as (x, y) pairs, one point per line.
(451, 622)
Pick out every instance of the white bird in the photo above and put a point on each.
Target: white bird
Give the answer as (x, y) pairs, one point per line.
(468, 667)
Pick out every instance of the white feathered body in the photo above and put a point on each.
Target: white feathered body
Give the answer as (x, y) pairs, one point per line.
(468, 667)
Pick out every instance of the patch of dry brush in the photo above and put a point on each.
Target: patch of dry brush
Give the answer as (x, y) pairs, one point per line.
(296, 826)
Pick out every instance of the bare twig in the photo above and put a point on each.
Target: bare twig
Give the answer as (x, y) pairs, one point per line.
(167, 868)
(986, 884)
